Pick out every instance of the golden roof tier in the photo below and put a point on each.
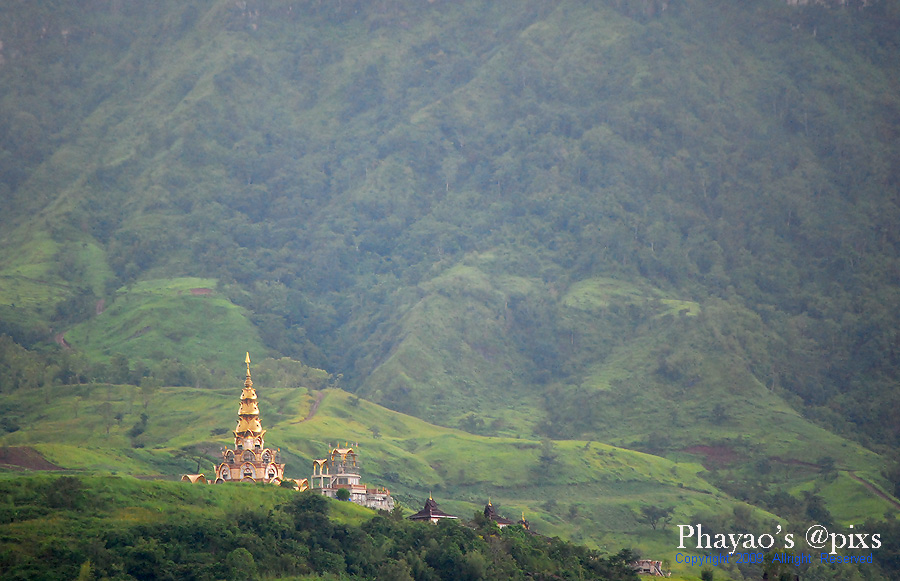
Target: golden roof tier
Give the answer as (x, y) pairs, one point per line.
(249, 426)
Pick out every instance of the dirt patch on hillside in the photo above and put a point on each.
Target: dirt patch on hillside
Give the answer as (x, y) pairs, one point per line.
(314, 407)
(24, 458)
(139, 332)
(61, 341)
(714, 456)
(871, 487)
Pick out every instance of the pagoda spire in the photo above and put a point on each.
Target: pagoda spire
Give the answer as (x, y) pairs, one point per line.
(249, 427)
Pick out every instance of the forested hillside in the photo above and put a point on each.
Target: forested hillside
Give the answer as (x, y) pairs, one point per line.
(512, 217)
(119, 528)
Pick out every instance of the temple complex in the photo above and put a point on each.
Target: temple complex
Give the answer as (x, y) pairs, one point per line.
(251, 461)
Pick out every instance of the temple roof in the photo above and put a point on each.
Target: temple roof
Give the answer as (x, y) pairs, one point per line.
(248, 423)
(491, 513)
(430, 511)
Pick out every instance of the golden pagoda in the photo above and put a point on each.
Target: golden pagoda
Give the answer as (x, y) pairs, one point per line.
(250, 460)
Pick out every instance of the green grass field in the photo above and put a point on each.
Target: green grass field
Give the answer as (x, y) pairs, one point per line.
(150, 322)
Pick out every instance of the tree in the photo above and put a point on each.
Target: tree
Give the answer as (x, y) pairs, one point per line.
(66, 492)
(652, 515)
(241, 566)
(342, 494)
(815, 508)
(119, 371)
(827, 468)
(548, 453)
(719, 414)
(394, 571)
(149, 386)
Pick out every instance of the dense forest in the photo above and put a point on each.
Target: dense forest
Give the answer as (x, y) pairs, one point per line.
(288, 535)
(508, 217)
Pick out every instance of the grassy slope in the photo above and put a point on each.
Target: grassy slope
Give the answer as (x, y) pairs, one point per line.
(162, 319)
(463, 309)
(596, 489)
(460, 319)
(38, 272)
(755, 416)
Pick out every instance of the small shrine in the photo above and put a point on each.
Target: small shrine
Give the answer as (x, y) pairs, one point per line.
(491, 514)
(653, 568)
(430, 513)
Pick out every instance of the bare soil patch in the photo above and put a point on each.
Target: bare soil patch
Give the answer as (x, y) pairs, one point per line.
(714, 456)
(314, 407)
(24, 458)
(61, 341)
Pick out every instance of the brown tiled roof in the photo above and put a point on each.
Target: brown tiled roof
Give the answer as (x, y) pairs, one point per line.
(491, 513)
(430, 511)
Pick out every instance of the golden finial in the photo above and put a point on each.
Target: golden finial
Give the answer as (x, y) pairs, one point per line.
(429, 496)
(248, 383)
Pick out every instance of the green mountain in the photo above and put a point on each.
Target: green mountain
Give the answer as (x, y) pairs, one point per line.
(669, 227)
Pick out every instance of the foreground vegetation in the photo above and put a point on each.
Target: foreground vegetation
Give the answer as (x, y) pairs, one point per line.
(118, 528)
(113, 527)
